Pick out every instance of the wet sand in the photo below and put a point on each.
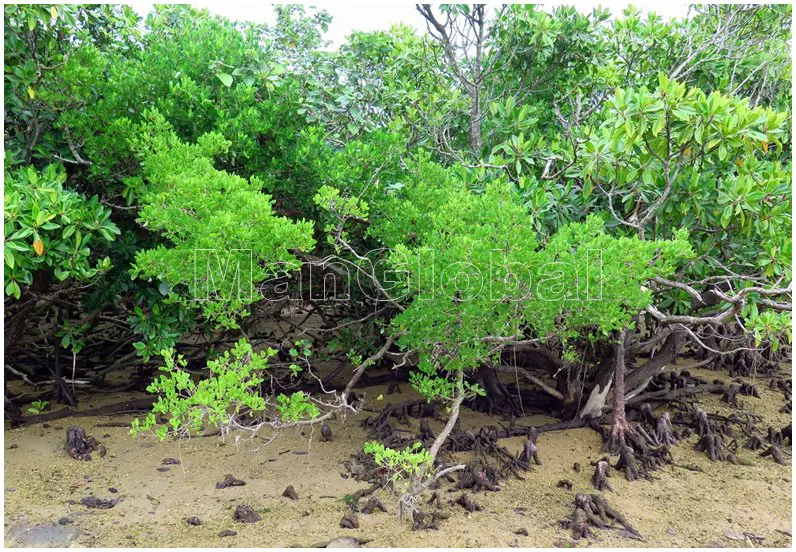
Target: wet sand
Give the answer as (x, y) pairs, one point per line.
(679, 507)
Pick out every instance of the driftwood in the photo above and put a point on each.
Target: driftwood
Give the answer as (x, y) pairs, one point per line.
(127, 407)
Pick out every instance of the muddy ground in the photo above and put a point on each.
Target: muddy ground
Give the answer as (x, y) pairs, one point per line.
(714, 506)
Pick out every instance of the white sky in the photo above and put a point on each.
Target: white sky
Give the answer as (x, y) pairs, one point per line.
(347, 17)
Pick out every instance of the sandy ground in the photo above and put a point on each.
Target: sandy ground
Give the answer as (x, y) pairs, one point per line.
(679, 507)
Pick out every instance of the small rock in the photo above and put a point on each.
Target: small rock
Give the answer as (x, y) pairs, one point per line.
(106, 436)
(372, 505)
(229, 481)
(13, 446)
(113, 490)
(41, 536)
(100, 503)
(521, 531)
(246, 514)
(671, 532)
(349, 521)
(227, 533)
(734, 535)
(162, 468)
(564, 484)
(344, 542)
(326, 432)
(195, 521)
(290, 493)
(576, 467)
(563, 543)
(65, 521)
(170, 462)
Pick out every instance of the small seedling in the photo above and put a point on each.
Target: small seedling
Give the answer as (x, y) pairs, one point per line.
(37, 407)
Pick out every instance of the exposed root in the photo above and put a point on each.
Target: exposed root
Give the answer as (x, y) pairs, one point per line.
(775, 437)
(616, 438)
(80, 446)
(564, 484)
(754, 443)
(246, 514)
(710, 440)
(663, 430)
(230, 481)
(467, 502)
(602, 471)
(736, 388)
(425, 521)
(436, 500)
(372, 505)
(529, 451)
(580, 524)
(426, 435)
(594, 510)
(628, 462)
(774, 452)
(477, 476)
(349, 521)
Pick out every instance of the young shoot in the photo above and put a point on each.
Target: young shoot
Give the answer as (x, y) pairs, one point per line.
(184, 406)
(403, 465)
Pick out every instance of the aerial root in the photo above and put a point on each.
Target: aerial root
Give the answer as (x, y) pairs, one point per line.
(594, 511)
(602, 471)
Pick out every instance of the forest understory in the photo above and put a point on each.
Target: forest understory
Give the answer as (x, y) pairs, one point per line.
(156, 488)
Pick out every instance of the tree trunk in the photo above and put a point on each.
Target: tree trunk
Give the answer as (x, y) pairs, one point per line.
(619, 425)
(640, 377)
(476, 143)
(603, 383)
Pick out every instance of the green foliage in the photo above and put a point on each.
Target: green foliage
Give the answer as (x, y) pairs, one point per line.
(402, 465)
(51, 228)
(205, 157)
(771, 327)
(37, 407)
(159, 328)
(208, 215)
(73, 335)
(52, 61)
(479, 275)
(296, 407)
(232, 389)
(678, 157)
(189, 406)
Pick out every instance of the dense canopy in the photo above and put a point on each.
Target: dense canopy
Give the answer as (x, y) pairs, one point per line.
(577, 198)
